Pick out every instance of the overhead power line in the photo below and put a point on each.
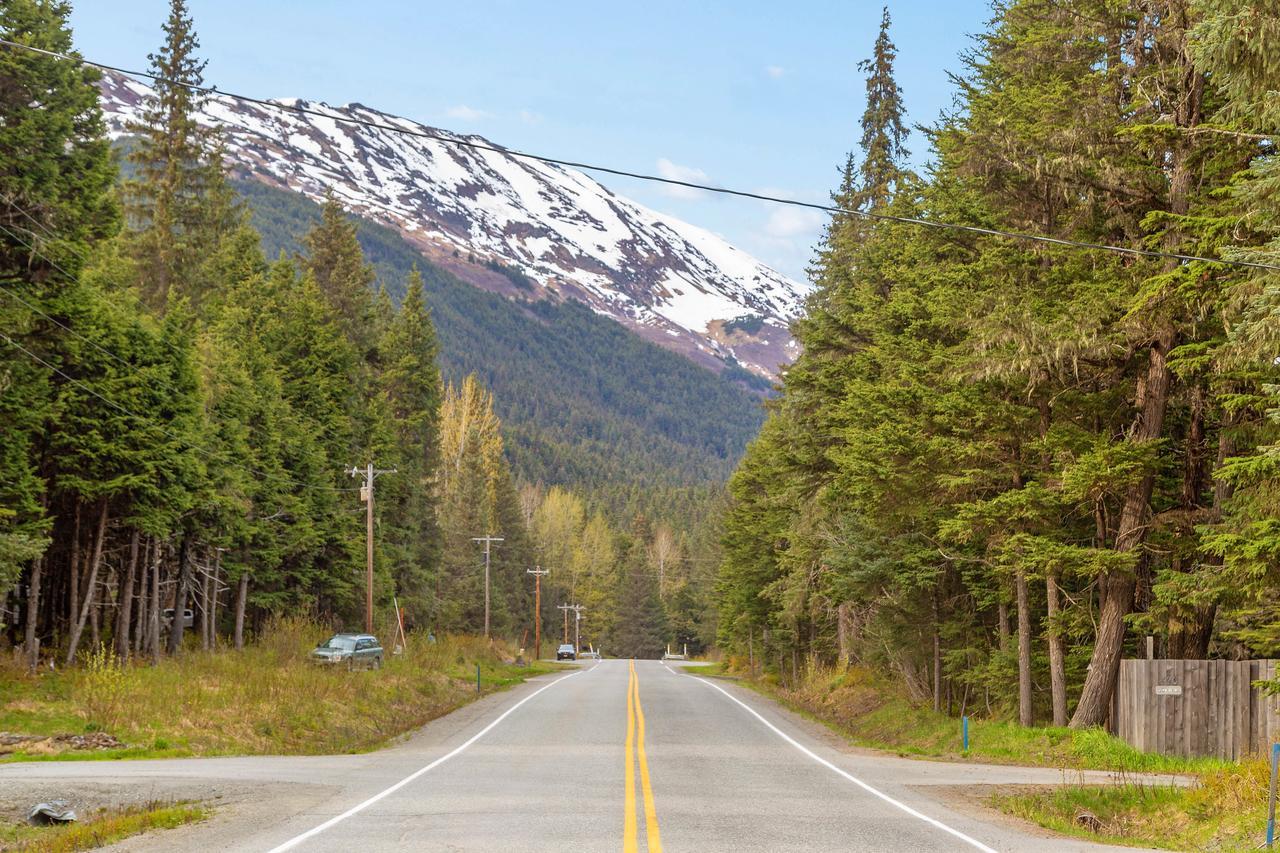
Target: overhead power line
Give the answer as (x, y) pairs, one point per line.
(642, 176)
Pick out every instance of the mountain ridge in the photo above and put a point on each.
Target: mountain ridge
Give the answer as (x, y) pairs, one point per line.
(511, 225)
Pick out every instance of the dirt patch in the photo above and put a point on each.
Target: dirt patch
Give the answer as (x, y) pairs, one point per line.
(54, 744)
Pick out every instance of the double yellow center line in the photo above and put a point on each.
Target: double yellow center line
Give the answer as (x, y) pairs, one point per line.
(635, 749)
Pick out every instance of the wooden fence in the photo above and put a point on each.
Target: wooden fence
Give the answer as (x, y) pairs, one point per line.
(1196, 707)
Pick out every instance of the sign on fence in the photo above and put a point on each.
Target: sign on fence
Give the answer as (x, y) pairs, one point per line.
(1196, 707)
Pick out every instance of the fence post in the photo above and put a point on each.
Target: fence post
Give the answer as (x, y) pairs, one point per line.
(964, 731)
(1271, 797)
(477, 678)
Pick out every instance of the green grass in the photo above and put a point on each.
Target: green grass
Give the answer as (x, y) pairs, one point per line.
(869, 711)
(1224, 811)
(265, 700)
(99, 830)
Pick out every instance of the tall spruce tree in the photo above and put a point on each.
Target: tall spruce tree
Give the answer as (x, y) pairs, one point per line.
(409, 379)
(333, 257)
(178, 203)
(884, 132)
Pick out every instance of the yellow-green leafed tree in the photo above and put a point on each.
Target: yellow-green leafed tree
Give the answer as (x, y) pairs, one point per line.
(473, 477)
(556, 525)
(594, 578)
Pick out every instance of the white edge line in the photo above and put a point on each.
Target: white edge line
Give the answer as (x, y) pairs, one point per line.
(855, 780)
(311, 833)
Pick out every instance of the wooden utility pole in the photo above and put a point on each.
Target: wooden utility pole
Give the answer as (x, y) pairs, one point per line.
(577, 619)
(366, 494)
(487, 540)
(537, 572)
(566, 608)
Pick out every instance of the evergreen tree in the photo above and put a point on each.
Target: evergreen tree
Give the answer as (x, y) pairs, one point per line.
(333, 257)
(55, 204)
(178, 203)
(410, 383)
(641, 627)
(884, 134)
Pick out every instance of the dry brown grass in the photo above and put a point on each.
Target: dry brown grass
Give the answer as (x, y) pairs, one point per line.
(266, 699)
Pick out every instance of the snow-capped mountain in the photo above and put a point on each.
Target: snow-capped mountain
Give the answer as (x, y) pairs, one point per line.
(513, 225)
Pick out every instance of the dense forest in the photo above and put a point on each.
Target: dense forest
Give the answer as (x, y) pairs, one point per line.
(195, 372)
(1001, 464)
(583, 401)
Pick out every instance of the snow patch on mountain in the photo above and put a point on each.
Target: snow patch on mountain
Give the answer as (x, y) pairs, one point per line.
(469, 208)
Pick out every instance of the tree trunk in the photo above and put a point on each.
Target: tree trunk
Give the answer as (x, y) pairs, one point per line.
(844, 631)
(29, 642)
(90, 592)
(178, 624)
(1116, 589)
(242, 598)
(1025, 716)
(143, 608)
(1057, 658)
(1002, 623)
(937, 659)
(73, 586)
(95, 623)
(124, 615)
(153, 621)
(213, 604)
(204, 611)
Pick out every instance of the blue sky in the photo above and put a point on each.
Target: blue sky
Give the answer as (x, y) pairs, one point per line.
(752, 95)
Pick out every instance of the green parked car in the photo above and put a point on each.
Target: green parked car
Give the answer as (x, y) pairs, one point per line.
(354, 651)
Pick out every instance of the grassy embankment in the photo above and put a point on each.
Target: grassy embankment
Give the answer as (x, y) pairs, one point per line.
(96, 830)
(266, 699)
(1224, 809)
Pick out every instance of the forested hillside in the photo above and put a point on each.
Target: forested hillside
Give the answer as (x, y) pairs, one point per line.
(187, 419)
(1001, 463)
(585, 402)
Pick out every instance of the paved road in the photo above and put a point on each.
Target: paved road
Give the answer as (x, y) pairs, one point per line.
(613, 756)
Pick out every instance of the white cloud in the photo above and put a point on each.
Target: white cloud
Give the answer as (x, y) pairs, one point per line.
(787, 223)
(466, 113)
(530, 117)
(787, 238)
(676, 172)
(774, 71)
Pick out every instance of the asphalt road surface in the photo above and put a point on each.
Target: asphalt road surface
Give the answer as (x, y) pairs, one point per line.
(614, 756)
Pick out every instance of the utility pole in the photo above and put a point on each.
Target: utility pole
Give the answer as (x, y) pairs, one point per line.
(366, 494)
(577, 619)
(566, 608)
(537, 572)
(487, 540)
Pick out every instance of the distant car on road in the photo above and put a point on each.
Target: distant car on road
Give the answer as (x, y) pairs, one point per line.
(355, 651)
(566, 652)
